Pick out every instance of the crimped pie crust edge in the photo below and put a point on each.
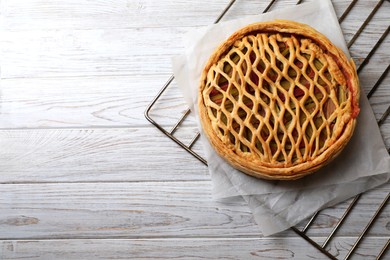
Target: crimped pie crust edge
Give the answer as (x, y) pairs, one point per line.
(257, 169)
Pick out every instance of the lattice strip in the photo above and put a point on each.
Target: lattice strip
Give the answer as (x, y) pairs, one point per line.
(272, 97)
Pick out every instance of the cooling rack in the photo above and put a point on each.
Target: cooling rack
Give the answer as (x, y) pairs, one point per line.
(302, 232)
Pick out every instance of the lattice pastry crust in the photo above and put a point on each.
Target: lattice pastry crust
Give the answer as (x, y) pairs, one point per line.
(278, 100)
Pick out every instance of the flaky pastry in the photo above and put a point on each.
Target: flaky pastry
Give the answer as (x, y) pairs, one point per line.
(277, 100)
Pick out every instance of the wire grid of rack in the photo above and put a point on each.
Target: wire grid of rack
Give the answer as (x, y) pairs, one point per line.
(303, 232)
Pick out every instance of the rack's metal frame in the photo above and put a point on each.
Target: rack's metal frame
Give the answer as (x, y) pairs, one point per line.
(302, 232)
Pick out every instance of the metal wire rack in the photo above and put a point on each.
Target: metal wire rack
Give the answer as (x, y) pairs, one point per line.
(303, 231)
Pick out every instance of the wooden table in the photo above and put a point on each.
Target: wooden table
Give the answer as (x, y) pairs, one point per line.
(84, 175)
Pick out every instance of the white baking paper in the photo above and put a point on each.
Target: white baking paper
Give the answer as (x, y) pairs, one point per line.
(278, 205)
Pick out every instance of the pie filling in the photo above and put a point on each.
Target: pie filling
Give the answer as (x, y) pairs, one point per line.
(278, 98)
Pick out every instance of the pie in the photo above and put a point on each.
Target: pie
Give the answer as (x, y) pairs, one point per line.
(277, 100)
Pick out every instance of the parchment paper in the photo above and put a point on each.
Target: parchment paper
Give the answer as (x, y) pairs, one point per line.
(278, 205)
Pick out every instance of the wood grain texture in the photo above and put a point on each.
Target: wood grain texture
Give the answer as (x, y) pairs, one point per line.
(89, 14)
(150, 210)
(57, 53)
(125, 51)
(225, 248)
(83, 175)
(52, 82)
(97, 52)
(80, 155)
(117, 101)
(120, 210)
(112, 14)
(90, 155)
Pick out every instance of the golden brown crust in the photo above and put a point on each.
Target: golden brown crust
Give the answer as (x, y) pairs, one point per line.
(259, 125)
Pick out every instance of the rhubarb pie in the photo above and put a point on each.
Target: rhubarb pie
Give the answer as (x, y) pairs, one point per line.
(277, 100)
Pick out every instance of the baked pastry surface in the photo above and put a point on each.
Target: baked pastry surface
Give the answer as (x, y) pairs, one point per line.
(278, 100)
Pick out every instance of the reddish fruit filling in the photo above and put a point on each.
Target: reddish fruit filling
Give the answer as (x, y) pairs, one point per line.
(265, 80)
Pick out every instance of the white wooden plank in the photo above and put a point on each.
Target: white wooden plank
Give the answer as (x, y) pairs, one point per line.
(87, 102)
(119, 210)
(72, 155)
(121, 154)
(117, 101)
(147, 210)
(77, 52)
(223, 248)
(89, 52)
(102, 52)
(87, 14)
